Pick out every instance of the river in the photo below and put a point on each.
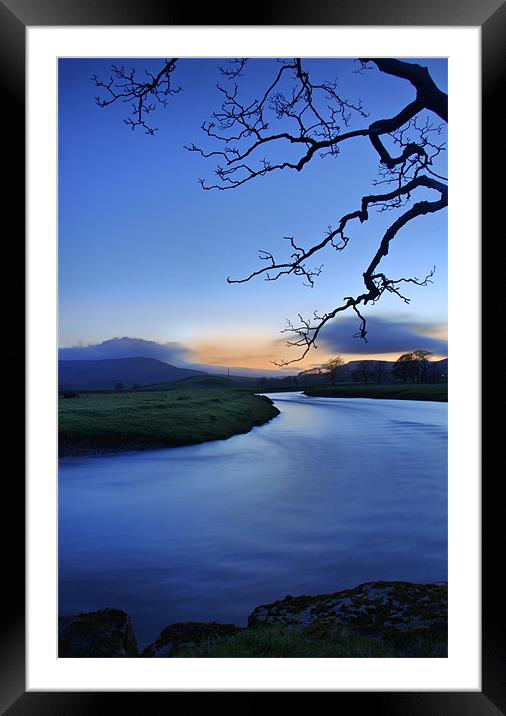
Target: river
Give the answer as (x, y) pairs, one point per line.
(330, 494)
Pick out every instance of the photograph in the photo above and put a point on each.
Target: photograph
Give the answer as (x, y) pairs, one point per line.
(251, 246)
(253, 357)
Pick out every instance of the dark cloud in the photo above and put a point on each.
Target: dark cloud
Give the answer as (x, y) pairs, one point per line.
(174, 353)
(383, 336)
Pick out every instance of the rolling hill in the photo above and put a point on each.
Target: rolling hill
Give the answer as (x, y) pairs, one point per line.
(106, 374)
(153, 374)
(380, 371)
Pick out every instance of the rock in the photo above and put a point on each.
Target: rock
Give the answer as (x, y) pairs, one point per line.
(174, 636)
(105, 633)
(373, 608)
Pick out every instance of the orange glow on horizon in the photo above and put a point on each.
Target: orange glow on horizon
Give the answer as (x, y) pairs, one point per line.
(259, 353)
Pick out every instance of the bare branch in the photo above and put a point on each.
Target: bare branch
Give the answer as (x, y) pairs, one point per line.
(428, 93)
(235, 69)
(317, 113)
(144, 95)
(297, 263)
(313, 119)
(307, 331)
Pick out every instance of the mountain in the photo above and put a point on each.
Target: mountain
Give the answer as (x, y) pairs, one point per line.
(125, 347)
(106, 374)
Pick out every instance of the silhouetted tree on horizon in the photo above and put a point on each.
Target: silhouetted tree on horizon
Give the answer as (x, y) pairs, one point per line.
(333, 367)
(312, 117)
(422, 363)
(414, 366)
(362, 372)
(379, 370)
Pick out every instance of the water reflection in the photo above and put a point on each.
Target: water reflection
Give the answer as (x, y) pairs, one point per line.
(329, 494)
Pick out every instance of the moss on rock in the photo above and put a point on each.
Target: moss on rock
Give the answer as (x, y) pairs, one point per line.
(395, 619)
(104, 633)
(373, 607)
(187, 634)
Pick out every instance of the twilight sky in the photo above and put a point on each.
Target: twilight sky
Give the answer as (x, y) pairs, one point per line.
(144, 252)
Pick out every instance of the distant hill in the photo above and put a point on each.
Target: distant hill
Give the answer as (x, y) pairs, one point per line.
(344, 374)
(105, 374)
(380, 371)
(208, 381)
(153, 374)
(193, 381)
(442, 368)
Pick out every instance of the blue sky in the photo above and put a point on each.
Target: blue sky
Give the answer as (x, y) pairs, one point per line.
(144, 252)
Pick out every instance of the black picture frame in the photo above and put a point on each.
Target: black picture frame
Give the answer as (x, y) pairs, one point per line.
(15, 16)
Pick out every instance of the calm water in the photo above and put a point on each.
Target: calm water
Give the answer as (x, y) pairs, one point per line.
(329, 494)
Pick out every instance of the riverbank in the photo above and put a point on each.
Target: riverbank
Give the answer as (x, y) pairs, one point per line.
(376, 619)
(430, 391)
(101, 423)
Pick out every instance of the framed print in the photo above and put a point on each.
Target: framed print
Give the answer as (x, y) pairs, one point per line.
(141, 541)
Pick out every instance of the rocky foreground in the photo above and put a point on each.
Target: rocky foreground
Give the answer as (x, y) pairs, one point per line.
(375, 610)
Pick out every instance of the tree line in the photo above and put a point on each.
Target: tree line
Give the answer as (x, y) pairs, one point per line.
(413, 367)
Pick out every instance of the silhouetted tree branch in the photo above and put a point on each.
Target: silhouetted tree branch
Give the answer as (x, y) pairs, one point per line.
(313, 119)
(123, 86)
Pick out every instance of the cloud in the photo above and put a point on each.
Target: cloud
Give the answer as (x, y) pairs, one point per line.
(254, 355)
(174, 353)
(384, 336)
(216, 358)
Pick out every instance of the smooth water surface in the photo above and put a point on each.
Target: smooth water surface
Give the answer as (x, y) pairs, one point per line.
(331, 493)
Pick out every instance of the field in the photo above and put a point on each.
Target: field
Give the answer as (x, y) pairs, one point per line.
(429, 391)
(95, 423)
(210, 382)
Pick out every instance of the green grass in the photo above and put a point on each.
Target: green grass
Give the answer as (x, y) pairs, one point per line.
(278, 641)
(111, 422)
(433, 391)
(204, 382)
(208, 382)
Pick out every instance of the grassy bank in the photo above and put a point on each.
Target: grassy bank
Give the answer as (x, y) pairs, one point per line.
(96, 423)
(211, 382)
(278, 641)
(432, 391)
